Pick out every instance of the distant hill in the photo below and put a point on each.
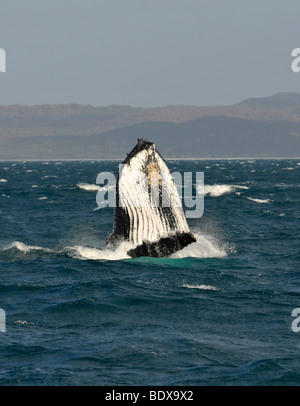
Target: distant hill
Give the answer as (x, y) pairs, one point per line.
(278, 101)
(262, 127)
(207, 137)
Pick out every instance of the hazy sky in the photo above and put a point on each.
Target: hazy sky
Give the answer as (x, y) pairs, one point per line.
(147, 52)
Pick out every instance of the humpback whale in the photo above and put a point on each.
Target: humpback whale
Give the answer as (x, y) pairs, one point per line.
(148, 211)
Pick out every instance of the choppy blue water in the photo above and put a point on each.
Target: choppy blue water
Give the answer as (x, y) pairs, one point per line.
(217, 314)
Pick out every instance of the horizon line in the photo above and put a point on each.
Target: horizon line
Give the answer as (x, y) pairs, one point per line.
(149, 107)
(122, 159)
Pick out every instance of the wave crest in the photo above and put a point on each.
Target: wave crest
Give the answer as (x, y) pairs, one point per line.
(201, 287)
(108, 254)
(88, 187)
(219, 189)
(24, 247)
(204, 247)
(259, 200)
(93, 188)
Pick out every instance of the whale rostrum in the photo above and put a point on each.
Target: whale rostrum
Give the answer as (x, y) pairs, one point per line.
(148, 211)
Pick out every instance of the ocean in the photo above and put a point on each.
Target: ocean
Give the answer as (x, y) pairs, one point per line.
(219, 312)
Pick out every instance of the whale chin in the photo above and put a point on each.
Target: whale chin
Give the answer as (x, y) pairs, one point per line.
(141, 216)
(164, 247)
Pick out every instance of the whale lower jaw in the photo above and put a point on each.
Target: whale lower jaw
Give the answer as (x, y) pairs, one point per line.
(164, 247)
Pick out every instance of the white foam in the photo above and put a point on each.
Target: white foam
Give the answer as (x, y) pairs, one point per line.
(259, 200)
(201, 287)
(109, 254)
(22, 322)
(92, 188)
(24, 247)
(3, 180)
(34, 186)
(43, 198)
(202, 248)
(219, 189)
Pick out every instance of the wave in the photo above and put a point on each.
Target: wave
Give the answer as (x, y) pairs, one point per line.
(78, 252)
(204, 247)
(24, 247)
(219, 189)
(88, 187)
(108, 254)
(3, 180)
(22, 322)
(93, 188)
(201, 287)
(259, 200)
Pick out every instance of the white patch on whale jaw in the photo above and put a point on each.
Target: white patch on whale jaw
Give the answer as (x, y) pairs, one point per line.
(148, 206)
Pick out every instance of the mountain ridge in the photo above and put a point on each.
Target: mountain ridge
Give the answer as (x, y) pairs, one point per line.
(84, 120)
(76, 131)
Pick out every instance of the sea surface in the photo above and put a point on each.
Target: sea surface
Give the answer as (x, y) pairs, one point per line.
(219, 312)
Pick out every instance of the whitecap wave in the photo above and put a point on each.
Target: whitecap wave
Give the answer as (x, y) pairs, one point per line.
(219, 189)
(88, 187)
(94, 188)
(3, 180)
(259, 200)
(201, 287)
(24, 247)
(204, 247)
(108, 254)
(22, 322)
